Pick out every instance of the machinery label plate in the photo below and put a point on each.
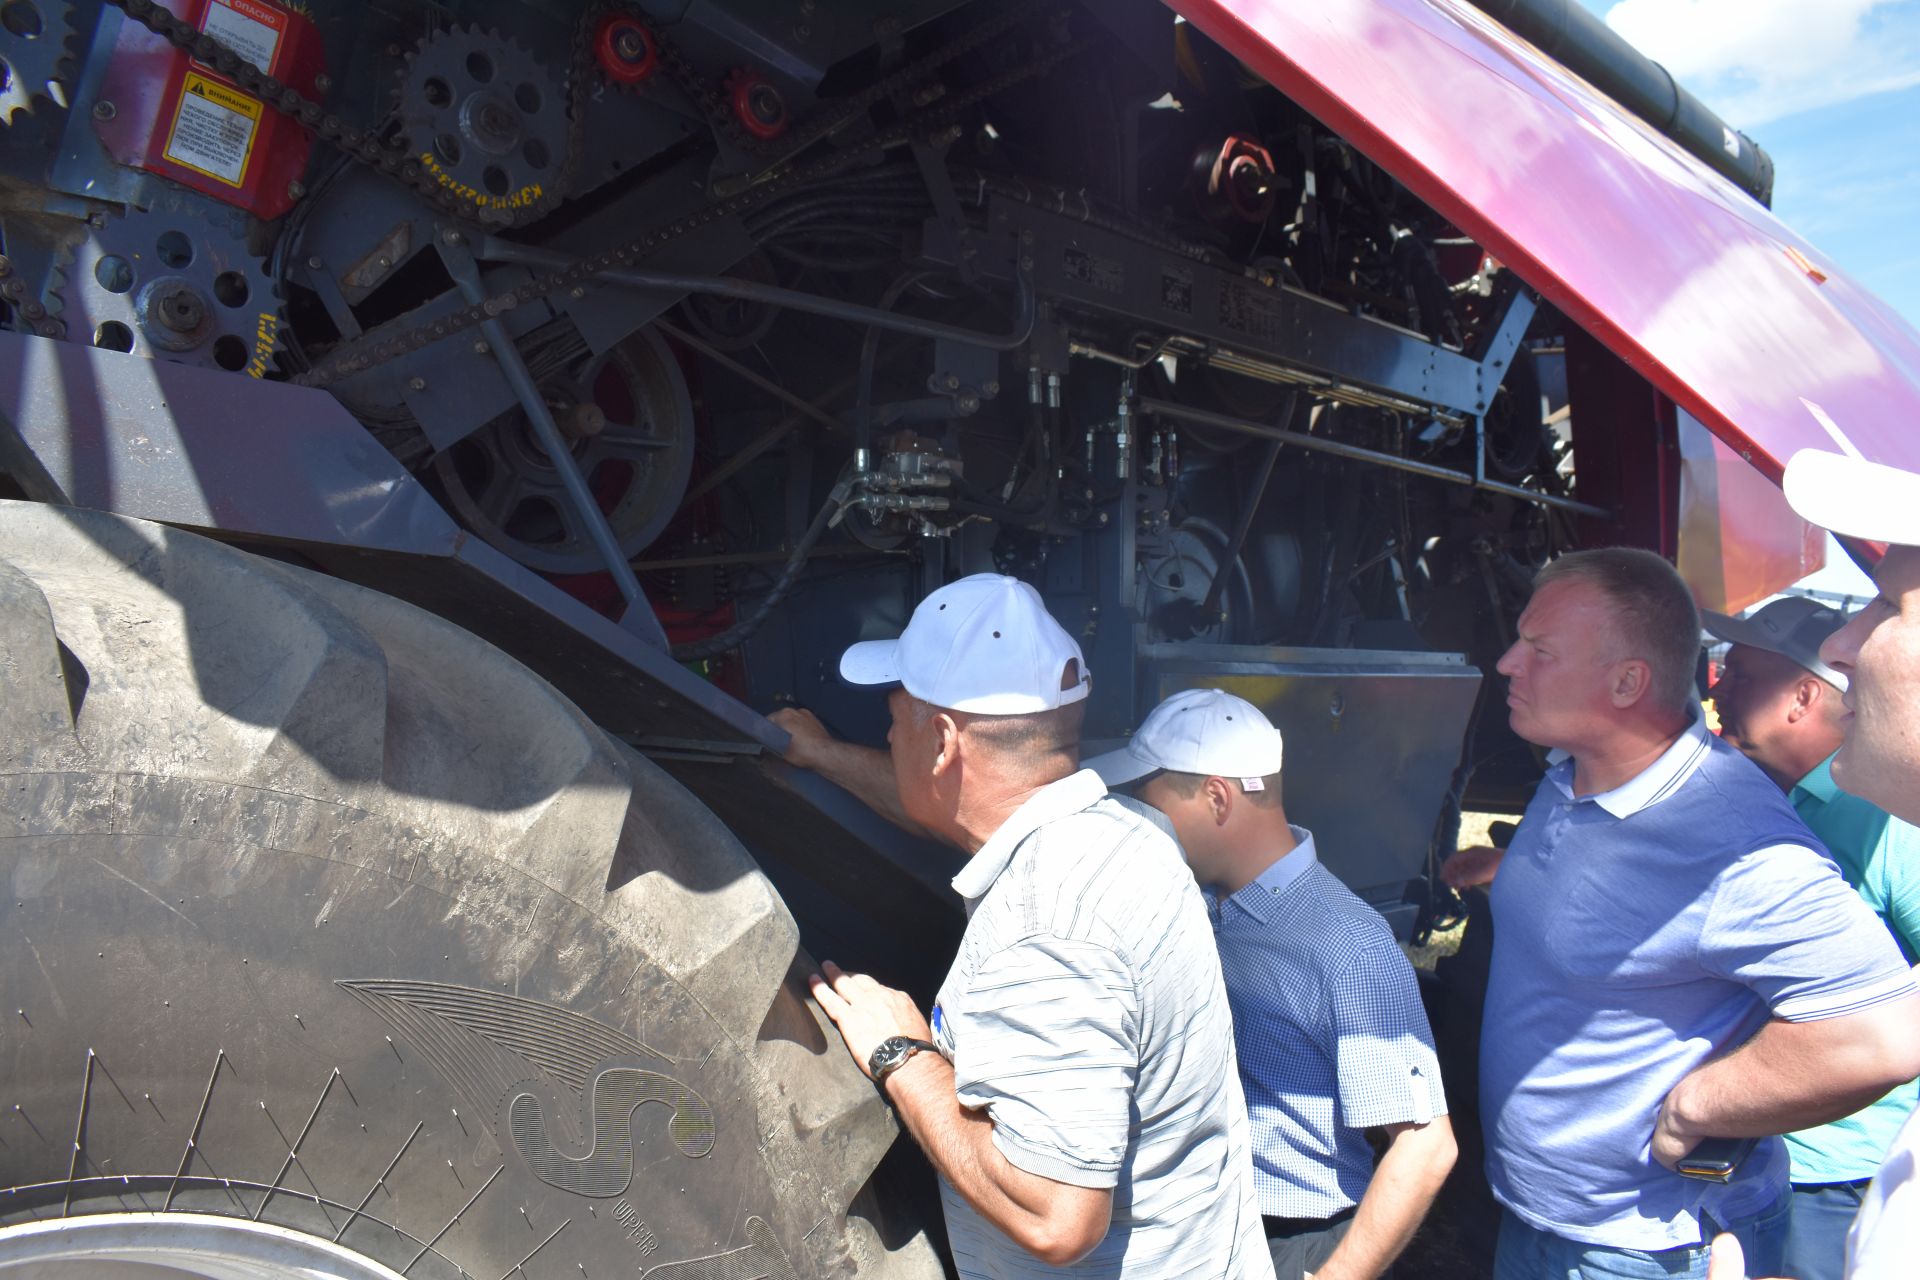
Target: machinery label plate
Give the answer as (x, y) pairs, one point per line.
(213, 129)
(250, 30)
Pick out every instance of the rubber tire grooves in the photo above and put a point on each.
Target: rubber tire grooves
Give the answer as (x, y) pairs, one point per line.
(299, 873)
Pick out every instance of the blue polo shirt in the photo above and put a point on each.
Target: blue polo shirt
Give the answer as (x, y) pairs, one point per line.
(1880, 857)
(1331, 1034)
(1639, 932)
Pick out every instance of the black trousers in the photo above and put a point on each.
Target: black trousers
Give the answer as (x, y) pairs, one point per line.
(1301, 1245)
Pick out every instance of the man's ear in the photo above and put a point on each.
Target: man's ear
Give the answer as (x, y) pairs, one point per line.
(946, 742)
(1219, 796)
(1631, 681)
(1806, 696)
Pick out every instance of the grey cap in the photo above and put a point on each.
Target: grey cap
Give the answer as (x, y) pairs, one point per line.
(1792, 626)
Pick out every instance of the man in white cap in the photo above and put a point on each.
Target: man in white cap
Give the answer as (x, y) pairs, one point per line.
(1878, 651)
(1076, 1089)
(1780, 705)
(1333, 1039)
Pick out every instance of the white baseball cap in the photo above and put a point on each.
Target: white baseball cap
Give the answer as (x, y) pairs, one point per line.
(1206, 731)
(1854, 497)
(985, 644)
(1793, 627)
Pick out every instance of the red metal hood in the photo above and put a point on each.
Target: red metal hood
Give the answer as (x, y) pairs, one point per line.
(1704, 292)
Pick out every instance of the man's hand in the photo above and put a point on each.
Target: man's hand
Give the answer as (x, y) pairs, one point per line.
(1671, 1139)
(1471, 866)
(1729, 1261)
(865, 1011)
(806, 736)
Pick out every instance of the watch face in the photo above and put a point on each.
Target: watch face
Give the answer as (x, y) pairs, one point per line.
(889, 1053)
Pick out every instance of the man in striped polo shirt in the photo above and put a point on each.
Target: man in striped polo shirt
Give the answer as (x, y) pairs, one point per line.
(1332, 1037)
(1675, 960)
(1076, 1090)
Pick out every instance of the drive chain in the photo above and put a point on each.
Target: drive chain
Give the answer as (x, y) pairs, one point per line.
(364, 146)
(374, 349)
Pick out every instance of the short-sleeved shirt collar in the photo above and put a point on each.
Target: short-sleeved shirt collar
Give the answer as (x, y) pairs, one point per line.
(1258, 897)
(1818, 783)
(1070, 794)
(1652, 784)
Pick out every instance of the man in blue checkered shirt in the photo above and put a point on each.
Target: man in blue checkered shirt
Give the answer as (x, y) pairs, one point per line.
(1331, 1034)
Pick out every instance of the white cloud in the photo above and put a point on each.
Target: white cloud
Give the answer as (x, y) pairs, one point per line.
(1759, 60)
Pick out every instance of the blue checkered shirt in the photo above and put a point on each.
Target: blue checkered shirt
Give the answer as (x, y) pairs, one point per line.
(1331, 1034)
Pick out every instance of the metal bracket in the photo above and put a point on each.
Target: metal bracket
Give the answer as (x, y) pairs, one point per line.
(638, 616)
(932, 163)
(1500, 344)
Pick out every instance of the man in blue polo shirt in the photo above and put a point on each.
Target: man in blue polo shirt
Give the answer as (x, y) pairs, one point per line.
(1675, 958)
(1332, 1037)
(1780, 705)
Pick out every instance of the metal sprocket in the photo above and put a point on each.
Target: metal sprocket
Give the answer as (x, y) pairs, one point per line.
(485, 119)
(170, 284)
(33, 44)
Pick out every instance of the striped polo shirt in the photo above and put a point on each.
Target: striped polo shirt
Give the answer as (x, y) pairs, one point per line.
(1333, 1037)
(1085, 1012)
(1638, 932)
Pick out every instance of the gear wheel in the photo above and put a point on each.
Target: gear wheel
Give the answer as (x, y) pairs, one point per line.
(38, 251)
(485, 118)
(170, 284)
(33, 44)
(628, 420)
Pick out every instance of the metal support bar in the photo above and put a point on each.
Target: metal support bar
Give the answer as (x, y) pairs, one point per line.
(496, 250)
(639, 616)
(1217, 587)
(1502, 342)
(1220, 421)
(805, 408)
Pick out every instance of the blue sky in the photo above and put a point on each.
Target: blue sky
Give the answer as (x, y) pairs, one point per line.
(1831, 90)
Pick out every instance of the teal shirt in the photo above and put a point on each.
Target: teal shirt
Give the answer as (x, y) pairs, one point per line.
(1880, 857)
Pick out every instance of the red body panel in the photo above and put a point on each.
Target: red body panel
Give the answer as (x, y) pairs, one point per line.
(225, 143)
(1739, 540)
(1707, 294)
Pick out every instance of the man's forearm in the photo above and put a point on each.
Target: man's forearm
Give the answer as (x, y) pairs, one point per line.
(1794, 1075)
(865, 771)
(1403, 1188)
(1055, 1222)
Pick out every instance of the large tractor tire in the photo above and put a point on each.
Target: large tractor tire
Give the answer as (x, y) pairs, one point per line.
(335, 942)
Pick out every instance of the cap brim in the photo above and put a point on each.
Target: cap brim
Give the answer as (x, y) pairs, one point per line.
(1737, 631)
(1117, 768)
(1853, 497)
(1745, 631)
(871, 662)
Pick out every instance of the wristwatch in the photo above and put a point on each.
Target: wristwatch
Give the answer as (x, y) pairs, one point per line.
(892, 1055)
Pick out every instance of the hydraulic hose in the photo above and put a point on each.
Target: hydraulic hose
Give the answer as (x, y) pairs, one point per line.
(737, 634)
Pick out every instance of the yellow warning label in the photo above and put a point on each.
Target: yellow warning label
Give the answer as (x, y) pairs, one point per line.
(213, 129)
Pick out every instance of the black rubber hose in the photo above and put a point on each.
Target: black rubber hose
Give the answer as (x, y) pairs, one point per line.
(879, 207)
(737, 634)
